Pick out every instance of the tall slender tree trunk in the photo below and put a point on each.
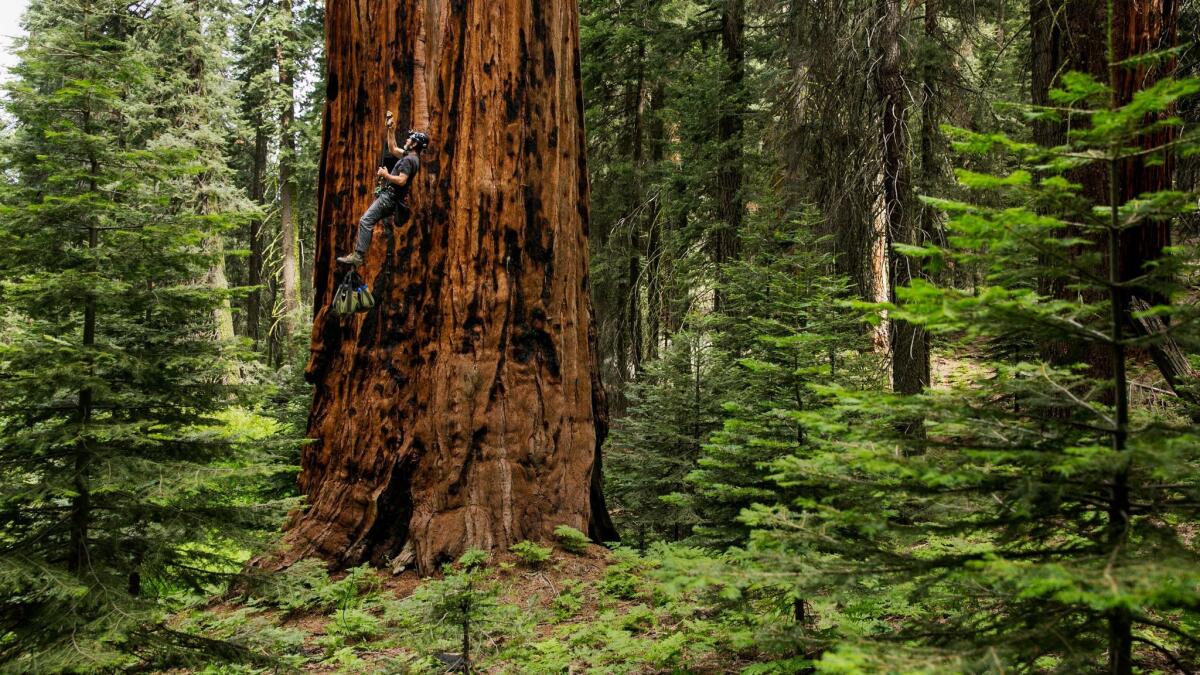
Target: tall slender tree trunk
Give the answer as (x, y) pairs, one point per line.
(629, 317)
(792, 152)
(1046, 25)
(217, 278)
(730, 206)
(910, 343)
(466, 409)
(655, 302)
(636, 219)
(81, 503)
(289, 237)
(878, 266)
(258, 189)
(930, 173)
(1045, 59)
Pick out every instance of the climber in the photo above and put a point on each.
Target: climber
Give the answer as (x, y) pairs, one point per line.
(393, 196)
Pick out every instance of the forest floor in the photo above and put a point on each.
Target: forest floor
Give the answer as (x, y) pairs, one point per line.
(599, 611)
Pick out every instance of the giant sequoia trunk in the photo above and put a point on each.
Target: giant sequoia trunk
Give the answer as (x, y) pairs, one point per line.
(1144, 27)
(1073, 35)
(466, 409)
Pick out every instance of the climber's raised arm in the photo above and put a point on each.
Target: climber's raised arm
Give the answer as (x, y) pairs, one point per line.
(393, 147)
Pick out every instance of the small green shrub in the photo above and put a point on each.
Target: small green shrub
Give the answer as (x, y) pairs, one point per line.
(454, 613)
(473, 559)
(638, 619)
(298, 587)
(530, 554)
(249, 629)
(307, 586)
(354, 624)
(620, 583)
(569, 600)
(571, 539)
(345, 658)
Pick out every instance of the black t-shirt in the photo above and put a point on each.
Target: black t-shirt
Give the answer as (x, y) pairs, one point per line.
(408, 165)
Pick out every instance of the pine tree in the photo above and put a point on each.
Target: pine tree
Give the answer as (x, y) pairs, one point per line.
(792, 328)
(673, 409)
(252, 67)
(191, 110)
(119, 484)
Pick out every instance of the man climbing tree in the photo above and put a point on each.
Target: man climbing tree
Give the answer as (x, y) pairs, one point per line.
(392, 195)
(466, 411)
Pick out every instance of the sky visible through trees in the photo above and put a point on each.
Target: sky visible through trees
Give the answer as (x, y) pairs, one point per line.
(10, 27)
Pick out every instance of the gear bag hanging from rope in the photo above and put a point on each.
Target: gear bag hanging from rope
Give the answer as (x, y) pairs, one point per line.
(352, 295)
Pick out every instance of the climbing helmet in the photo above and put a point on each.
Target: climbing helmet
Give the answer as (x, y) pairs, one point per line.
(419, 139)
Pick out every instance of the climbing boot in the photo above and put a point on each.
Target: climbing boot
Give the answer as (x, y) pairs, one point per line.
(355, 259)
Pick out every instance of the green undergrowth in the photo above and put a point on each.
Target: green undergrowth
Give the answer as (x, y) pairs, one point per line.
(596, 611)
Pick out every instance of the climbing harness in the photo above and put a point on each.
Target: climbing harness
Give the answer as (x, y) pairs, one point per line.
(352, 295)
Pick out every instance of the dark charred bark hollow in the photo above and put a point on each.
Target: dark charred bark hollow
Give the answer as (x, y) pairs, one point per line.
(388, 536)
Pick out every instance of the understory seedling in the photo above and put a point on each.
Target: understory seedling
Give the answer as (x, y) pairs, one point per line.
(530, 554)
(462, 598)
(569, 600)
(571, 539)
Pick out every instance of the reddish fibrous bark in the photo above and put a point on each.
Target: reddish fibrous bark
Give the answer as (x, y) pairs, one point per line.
(466, 410)
(1074, 36)
(1143, 27)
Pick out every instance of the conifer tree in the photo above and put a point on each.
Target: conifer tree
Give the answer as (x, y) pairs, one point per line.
(710, 416)
(1007, 537)
(277, 65)
(119, 485)
(792, 329)
(193, 112)
(252, 60)
(673, 409)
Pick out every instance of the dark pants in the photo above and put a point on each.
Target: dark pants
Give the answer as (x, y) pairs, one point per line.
(385, 205)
